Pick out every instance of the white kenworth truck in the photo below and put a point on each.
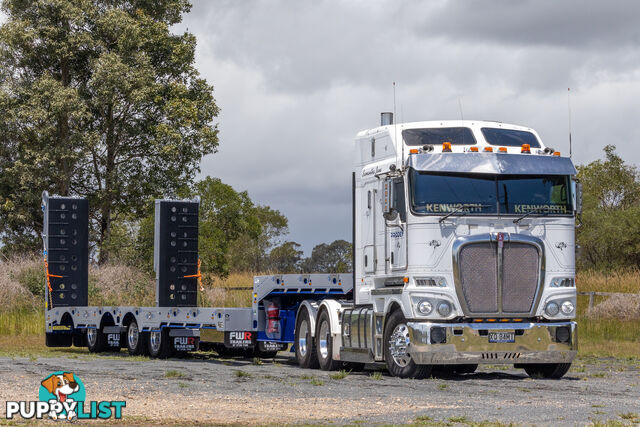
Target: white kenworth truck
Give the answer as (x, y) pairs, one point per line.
(464, 254)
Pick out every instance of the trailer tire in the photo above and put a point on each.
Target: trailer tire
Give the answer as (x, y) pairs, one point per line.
(547, 370)
(159, 344)
(396, 335)
(304, 345)
(96, 340)
(324, 344)
(136, 340)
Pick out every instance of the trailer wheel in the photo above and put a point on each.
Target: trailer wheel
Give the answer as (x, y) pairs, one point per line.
(396, 339)
(324, 344)
(547, 370)
(305, 348)
(96, 340)
(136, 340)
(159, 344)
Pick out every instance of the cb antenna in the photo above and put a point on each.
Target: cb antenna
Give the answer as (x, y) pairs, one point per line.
(569, 108)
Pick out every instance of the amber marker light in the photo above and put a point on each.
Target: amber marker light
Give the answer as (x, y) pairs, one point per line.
(488, 149)
(556, 153)
(446, 147)
(405, 279)
(473, 149)
(526, 148)
(502, 149)
(413, 151)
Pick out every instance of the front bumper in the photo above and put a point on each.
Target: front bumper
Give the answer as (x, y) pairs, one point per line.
(468, 343)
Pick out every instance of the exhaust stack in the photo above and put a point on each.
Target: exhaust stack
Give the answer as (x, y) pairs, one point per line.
(386, 119)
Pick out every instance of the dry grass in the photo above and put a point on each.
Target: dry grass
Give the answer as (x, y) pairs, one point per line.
(624, 281)
(17, 292)
(217, 292)
(620, 307)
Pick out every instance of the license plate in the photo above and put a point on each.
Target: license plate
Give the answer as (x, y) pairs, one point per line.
(502, 337)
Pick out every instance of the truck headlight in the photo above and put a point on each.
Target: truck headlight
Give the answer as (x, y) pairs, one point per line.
(425, 307)
(444, 309)
(563, 282)
(552, 308)
(567, 307)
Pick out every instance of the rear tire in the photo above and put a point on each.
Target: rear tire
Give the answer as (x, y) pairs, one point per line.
(324, 344)
(136, 340)
(96, 340)
(547, 370)
(159, 344)
(396, 339)
(304, 345)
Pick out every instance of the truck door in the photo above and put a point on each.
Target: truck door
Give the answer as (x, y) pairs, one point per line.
(396, 225)
(369, 230)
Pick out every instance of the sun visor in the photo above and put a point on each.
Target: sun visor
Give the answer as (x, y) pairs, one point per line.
(492, 163)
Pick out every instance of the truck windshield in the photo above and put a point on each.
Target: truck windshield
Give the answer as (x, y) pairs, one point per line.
(510, 137)
(480, 194)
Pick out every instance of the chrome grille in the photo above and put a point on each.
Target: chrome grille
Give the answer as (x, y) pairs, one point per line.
(498, 279)
(520, 277)
(479, 277)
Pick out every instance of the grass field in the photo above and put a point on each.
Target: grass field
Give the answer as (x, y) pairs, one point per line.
(22, 318)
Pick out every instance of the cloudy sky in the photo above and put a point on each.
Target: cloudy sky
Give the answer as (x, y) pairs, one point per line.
(297, 79)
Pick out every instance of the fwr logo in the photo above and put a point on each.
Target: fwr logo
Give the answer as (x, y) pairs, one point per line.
(62, 396)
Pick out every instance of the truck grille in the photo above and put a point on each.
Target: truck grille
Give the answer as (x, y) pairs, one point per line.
(498, 281)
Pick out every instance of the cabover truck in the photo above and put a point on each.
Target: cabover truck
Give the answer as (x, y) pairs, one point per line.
(463, 254)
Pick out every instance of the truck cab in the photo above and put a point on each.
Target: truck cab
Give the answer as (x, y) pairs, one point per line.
(464, 250)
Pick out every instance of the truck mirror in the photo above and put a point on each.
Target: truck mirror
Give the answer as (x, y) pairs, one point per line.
(579, 198)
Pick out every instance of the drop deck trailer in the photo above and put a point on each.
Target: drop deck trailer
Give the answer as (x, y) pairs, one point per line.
(463, 254)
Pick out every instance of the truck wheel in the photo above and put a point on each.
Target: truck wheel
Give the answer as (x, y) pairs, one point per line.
(396, 339)
(547, 370)
(96, 340)
(305, 348)
(159, 344)
(324, 344)
(465, 369)
(136, 340)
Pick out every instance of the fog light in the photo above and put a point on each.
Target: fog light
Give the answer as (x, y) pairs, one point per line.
(562, 334)
(438, 335)
(552, 309)
(425, 307)
(444, 309)
(567, 307)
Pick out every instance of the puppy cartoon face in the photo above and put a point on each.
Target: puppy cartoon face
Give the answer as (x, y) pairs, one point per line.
(61, 385)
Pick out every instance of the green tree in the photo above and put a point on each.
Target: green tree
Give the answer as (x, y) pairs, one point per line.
(335, 257)
(285, 258)
(99, 99)
(609, 236)
(251, 254)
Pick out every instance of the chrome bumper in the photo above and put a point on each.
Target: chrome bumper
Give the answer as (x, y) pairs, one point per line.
(468, 343)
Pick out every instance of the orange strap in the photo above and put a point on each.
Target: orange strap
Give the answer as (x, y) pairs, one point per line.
(49, 275)
(197, 276)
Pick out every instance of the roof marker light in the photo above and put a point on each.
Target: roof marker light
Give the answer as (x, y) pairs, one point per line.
(488, 149)
(556, 153)
(526, 148)
(473, 149)
(446, 147)
(502, 149)
(413, 151)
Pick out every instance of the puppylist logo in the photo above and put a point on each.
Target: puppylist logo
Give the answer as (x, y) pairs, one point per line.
(62, 397)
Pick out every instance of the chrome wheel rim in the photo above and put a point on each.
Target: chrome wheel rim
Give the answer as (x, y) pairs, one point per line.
(302, 337)
(155, 339)
(92, 336)
(323, 340)
(398, 344)
(132, 335)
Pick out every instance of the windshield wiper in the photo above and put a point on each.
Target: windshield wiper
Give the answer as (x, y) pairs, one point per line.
(460, 208)
(532, 211)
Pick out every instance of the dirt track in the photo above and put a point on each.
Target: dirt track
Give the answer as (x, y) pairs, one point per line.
(211, 390)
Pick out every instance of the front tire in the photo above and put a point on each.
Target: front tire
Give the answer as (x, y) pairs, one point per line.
(96, 340)
(547, 370)
(304, 345)
(136, 340)
(324, 344)
(396, 342)
(159, 344)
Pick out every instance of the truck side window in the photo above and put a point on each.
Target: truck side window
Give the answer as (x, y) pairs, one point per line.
(398, 198)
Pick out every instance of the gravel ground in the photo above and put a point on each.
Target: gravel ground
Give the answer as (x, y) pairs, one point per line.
(211, 390)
